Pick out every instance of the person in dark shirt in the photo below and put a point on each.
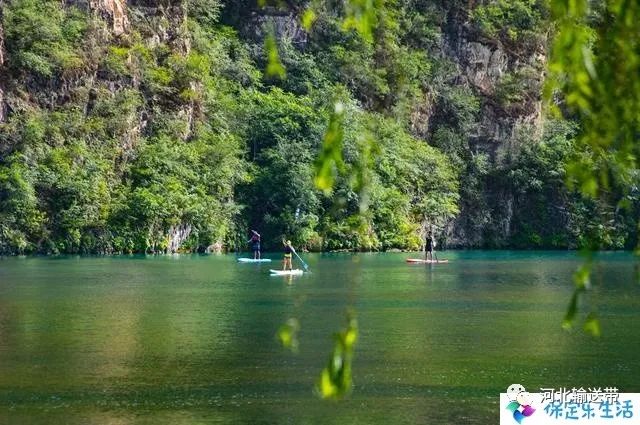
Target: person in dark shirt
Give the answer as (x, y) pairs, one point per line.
(288, 254)
(429, 247)
(255, 244)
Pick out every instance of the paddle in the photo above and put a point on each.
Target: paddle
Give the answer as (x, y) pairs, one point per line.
(306, 267)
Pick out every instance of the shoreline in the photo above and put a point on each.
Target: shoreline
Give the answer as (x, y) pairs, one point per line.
(278, 253)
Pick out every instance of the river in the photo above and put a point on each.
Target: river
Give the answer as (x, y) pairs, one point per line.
(190, 339)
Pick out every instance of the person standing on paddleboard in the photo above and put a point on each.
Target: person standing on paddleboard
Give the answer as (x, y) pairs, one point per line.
(288, 253)
(429, 247)
(255, 244)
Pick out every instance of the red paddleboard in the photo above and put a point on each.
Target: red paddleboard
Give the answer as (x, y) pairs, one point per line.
(423, 261)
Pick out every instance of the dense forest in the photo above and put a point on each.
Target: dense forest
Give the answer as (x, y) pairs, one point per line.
(178, 125)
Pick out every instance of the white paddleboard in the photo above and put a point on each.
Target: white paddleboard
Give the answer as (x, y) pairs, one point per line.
(423, 261)
(251, 260)
(285, 272)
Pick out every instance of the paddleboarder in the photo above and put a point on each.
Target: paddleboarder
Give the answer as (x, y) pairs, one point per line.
(288, 253)
(255, 244)
(429, 247)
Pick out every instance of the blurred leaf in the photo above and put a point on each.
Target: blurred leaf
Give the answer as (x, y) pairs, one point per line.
(362, 169)
(582, 282)
(335, 379)
(592, 325)
(582, 276)
(308, 18)
(595, 47)
(570, 315)
(362, 16)
(330, 159)
(288, 334)
(274, 66)
(590, 186)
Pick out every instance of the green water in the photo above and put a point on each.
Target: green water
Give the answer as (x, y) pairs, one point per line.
(191, 339)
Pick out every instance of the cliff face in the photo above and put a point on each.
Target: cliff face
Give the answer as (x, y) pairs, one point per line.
(503, 76)
(119, 82)
(486, 66)
(126, 126)
(114, 12)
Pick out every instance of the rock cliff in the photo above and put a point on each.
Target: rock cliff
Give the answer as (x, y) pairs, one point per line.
(484, 65)
(125, 126)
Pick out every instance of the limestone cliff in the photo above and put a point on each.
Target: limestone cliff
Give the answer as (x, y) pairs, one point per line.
(505, 77)
(125, 126)
(484, 64)
(114, 12)
(90, 84)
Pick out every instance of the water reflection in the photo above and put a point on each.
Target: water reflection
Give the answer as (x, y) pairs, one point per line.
(192, 339)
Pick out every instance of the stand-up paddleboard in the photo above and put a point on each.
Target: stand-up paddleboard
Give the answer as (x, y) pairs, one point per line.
(252, 260)
(423, 261)
(285, 272)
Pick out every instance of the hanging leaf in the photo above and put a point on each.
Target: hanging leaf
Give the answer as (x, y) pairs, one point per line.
(308, 18)
(330, 160)
(592, 325)
(595, 49)
(582, 282)
(361, 172)
(582, 276)
(335, 379)
(288, 334)
(362, 16)
(570, 315)
(274, 66)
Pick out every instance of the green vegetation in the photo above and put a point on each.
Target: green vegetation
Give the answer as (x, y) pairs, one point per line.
(594, 67)
(511, 20)
(42, 37)
(339, 127)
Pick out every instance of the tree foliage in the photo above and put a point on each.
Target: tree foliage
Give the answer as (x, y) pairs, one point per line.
(594, 66)
(185, 131)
